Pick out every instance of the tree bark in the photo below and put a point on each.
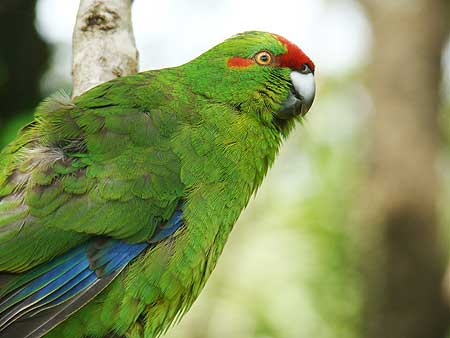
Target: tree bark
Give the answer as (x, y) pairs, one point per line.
(405, 260)
(103, 43)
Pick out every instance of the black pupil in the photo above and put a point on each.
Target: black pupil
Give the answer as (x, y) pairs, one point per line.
(264, 58)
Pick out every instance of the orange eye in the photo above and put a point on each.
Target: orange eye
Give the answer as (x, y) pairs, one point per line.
(264, 58)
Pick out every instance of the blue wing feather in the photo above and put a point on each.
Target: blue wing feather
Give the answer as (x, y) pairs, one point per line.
(92, 265)
(125, 255)
(170, 227)
(56, 271)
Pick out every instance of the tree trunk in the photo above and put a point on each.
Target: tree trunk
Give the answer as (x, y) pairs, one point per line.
(103, 43)
(405, 260)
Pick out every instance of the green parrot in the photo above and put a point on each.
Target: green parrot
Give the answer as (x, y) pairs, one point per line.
(115, 206)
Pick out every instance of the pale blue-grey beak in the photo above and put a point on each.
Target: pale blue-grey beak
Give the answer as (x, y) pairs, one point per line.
(301, 96)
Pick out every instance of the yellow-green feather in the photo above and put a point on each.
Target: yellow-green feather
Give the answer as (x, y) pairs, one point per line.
(116, 162)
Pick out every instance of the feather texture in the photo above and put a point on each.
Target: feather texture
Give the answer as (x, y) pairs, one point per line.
(81, 273)
(115, 207)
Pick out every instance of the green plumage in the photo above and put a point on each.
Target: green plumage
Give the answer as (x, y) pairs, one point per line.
(116, 162)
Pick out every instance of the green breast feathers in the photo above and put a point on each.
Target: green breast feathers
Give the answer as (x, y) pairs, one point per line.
(115, 206)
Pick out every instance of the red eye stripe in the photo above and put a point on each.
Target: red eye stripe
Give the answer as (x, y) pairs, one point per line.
(294, 58)
(239, 62)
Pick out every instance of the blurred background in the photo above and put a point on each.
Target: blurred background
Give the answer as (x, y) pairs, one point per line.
(349, 235)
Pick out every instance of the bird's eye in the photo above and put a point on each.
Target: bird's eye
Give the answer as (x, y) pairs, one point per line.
(305, 69)
(264, 58)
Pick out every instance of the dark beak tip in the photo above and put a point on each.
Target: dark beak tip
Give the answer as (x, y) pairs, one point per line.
(295, 105)
(306, 106)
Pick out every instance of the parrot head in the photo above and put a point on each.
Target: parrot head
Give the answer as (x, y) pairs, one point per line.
(258, 72)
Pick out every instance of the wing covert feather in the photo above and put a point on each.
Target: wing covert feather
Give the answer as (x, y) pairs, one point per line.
(96, 166)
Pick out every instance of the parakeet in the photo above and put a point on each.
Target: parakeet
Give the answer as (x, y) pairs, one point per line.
(115, 206)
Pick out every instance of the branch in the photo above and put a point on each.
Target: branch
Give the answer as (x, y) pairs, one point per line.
(103, 43)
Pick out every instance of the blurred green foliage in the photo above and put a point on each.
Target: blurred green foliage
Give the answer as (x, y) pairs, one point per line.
(12, 126)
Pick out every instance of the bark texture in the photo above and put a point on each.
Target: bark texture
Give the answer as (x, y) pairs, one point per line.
(405, 260)
(103, 43)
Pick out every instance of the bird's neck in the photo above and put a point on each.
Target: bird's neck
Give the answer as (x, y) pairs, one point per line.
(224, 160)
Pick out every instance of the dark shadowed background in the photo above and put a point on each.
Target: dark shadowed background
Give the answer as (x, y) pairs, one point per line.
(349, 235)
